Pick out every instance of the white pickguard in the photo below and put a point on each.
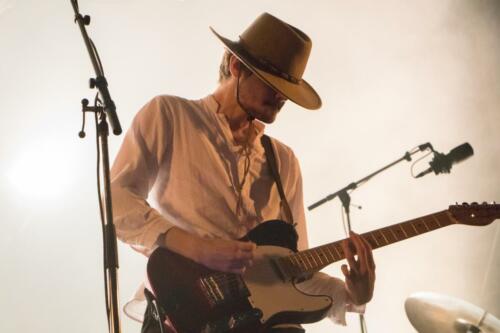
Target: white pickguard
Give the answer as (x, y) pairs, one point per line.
(270, 294)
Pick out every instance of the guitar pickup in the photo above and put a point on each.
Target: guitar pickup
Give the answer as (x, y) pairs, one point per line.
(220, 288)
(281, 269)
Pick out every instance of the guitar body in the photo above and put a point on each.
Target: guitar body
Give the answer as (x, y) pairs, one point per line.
(197, 299)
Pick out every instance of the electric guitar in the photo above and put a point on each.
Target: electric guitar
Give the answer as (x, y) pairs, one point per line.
(199, 300)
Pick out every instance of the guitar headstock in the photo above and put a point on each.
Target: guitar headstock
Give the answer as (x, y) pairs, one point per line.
(475, 213)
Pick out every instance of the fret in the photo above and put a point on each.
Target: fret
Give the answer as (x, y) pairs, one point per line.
(303, 256)
(435, 219)
(302, 263)
(425, 225)
(414, 228)
(374, 239)
(336, 251)
(390, 235)
(378, 238)
(430, 222)
(370, 240)
(409, 230)
(333, 258)
(418, 225)
(321, 255)
(385, 238)
(393, 234)
(327, 255)
(297, 264)
(310, 254)
(447, 219)
(341, 250)
(403, 230)
(325, 258)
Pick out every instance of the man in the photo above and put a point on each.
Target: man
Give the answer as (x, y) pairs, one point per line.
(203, 166)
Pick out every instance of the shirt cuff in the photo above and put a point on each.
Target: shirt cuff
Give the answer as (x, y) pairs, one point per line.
(323, 284)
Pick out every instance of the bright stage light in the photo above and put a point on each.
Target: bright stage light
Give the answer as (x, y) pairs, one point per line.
(43, 171)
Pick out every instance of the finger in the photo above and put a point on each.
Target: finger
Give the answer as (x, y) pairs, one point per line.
(243, 255)
(349, 255)
(242, 262)
(369, 252)
(367, 256)
(239, 266)
(360, 251)
(345, 271)
(240, 270)
(246, 246)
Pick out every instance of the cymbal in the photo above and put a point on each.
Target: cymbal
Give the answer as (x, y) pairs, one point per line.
(432, 312)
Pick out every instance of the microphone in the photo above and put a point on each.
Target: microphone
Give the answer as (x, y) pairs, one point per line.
(442, 163)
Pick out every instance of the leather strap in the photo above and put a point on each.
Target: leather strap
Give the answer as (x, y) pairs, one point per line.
(273, 167)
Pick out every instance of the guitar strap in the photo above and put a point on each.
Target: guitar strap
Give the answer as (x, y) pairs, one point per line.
(273, 167)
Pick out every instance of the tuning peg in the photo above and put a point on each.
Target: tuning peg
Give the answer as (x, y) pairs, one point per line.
(474, 203)
(465, 204)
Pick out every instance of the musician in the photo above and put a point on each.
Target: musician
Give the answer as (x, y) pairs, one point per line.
(202, 168)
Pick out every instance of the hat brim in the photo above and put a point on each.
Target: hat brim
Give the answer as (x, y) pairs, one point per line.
(300, 93)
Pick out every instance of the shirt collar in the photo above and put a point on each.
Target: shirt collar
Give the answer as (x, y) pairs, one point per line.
(212, 105)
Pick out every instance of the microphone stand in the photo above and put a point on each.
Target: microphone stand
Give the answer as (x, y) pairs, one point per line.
(103, 110)
(345, 198)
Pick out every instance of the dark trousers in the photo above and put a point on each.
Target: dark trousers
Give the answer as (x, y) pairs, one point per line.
(151, 324)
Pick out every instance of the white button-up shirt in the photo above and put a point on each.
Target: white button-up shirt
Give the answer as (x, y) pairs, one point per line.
(180, 166)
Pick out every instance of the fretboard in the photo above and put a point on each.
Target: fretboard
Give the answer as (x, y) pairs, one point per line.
(312, 260)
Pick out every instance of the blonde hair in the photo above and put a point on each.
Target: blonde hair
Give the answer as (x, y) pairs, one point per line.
(224, 72)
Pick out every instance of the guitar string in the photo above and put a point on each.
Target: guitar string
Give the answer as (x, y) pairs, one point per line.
(302, 260)
(231, 283)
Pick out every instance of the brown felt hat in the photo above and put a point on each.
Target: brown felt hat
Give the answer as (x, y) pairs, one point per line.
(277, 53)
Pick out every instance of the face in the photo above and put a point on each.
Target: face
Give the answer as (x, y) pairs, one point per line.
(258, 98)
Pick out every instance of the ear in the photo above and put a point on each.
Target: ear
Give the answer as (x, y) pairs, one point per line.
(235, 66)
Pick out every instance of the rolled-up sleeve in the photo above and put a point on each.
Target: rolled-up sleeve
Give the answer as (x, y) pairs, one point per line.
(324, 284)
(134, 172)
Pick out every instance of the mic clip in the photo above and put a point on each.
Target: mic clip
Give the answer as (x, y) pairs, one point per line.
(426, 146)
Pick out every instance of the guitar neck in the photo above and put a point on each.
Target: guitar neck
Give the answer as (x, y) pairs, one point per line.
(312, 260)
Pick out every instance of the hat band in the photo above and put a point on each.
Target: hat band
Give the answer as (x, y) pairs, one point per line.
(266, 66)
